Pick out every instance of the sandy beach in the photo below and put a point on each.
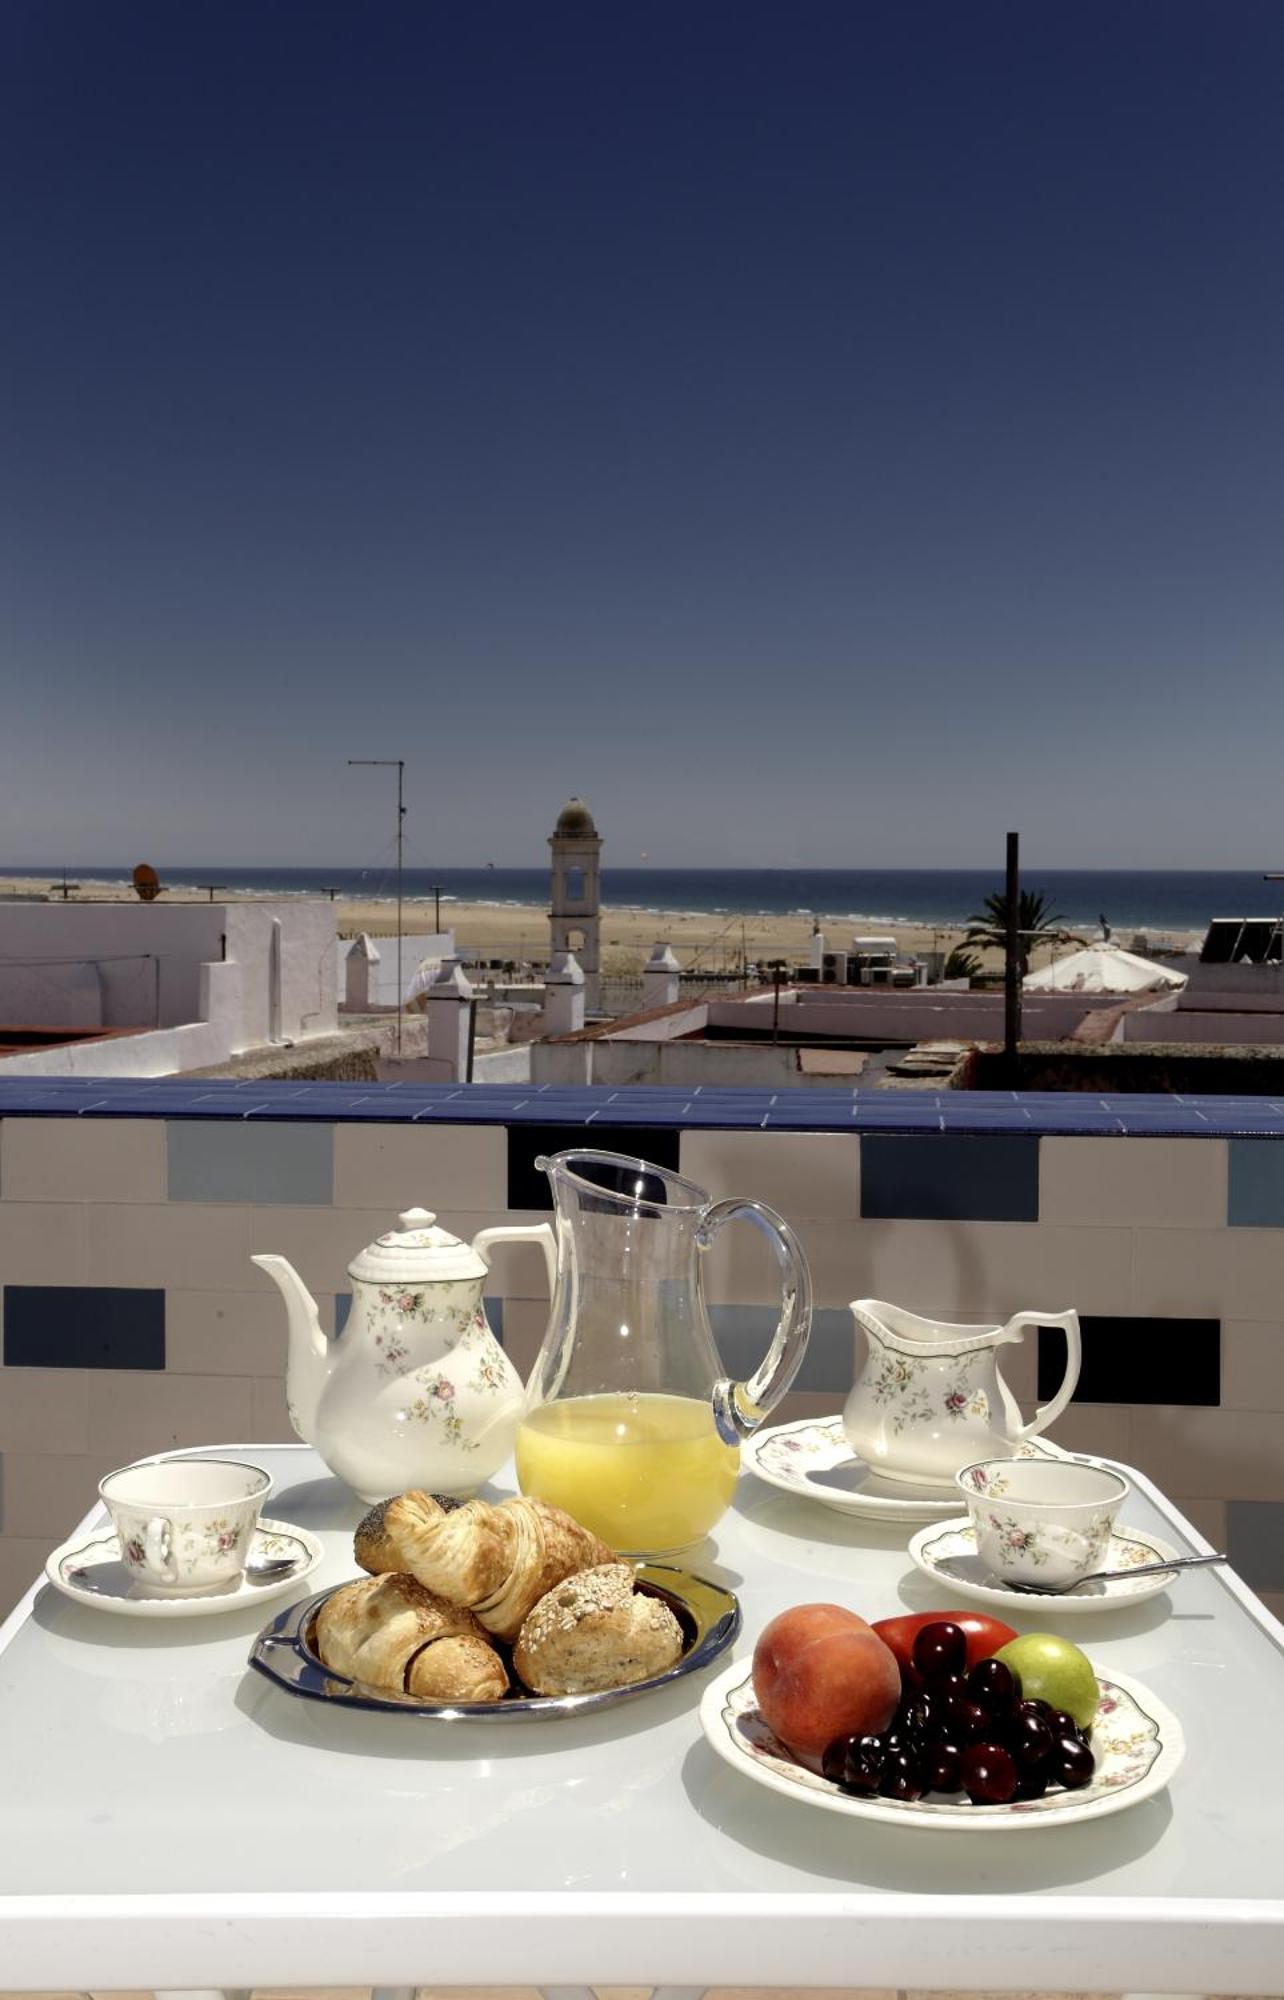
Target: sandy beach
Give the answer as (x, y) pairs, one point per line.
(703, 941)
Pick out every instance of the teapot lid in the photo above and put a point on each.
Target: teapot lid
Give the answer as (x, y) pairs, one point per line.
(416, 1253)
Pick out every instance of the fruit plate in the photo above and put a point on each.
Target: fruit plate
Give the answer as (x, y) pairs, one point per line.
(813, 1459)
(947, 1553)
(1137, 1741)
(285, 1652)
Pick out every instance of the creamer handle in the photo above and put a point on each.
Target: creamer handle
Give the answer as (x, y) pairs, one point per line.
(739, 1407)
(521, 1232)
(1069, 1322)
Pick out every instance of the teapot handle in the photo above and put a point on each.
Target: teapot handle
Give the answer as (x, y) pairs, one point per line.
(1049, 1412)
(739, 1407)
(521, 1232)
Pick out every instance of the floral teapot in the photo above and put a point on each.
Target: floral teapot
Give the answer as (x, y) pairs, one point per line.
(930, 1398)
(416, 1391)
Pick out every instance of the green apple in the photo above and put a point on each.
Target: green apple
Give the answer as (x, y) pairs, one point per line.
(1052, 1670)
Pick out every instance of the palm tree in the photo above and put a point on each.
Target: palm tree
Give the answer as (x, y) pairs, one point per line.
(1036, 923)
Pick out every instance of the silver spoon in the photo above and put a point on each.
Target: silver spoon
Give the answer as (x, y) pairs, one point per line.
(261, 1569)
(1095, 1575)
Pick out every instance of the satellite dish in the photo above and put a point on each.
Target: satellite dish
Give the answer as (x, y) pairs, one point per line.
(147, 883)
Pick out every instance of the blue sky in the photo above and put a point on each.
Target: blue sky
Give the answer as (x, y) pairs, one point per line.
(821, 434)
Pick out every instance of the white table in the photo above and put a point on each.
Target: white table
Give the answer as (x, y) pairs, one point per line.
(169, 1819)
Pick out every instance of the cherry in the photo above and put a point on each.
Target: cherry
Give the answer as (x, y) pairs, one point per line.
(1033, 1784)
(940, 1649)
(1030, 1739)
(1073, 1762)
(993, 1682)
(989, 1774)
(900, 1779)
(940, 1767)
(969, 1722)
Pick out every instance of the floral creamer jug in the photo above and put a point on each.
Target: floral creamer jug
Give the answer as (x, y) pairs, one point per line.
(416, 1391)
(930, 1398)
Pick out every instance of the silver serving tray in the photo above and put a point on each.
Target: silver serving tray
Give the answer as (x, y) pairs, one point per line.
(285, 1652)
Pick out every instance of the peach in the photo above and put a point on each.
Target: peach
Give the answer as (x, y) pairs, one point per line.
(819, 1672)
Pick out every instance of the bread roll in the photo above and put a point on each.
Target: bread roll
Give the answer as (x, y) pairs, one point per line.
(463, 1669)
(596, 1630)
(463, 1556)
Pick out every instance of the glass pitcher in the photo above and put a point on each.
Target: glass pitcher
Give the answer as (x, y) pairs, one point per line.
(631, 1423)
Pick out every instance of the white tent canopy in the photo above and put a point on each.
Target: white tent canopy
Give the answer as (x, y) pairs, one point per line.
(1103, 968)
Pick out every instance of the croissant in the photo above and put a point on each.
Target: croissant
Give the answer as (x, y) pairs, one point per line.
(596, 1630)
(388, 1631)
(497, 1561)
(372, 1544)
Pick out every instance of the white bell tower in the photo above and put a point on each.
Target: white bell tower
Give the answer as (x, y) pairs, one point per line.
(574, 916)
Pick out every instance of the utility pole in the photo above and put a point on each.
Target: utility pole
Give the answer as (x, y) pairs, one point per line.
(1012, 961)
(437, 888)
(400, 763)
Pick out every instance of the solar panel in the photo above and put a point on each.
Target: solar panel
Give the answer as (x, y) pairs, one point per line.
(1243, 940)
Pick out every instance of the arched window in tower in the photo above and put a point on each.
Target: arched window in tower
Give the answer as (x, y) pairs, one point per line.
(575, 940)
(574, 883)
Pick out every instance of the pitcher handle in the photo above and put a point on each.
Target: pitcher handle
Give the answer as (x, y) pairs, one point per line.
(739, 1407)
(521, 1232)
(1048, 1412)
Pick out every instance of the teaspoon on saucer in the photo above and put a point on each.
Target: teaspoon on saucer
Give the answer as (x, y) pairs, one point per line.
(1096, 1575)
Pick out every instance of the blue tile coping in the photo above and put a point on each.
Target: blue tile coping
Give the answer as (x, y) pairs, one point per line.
(852, 1110)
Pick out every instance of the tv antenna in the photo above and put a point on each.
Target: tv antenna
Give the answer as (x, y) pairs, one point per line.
(399, 764)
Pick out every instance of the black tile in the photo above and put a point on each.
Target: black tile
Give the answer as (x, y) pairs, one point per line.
(529, 1187)
(946, 1177)
(83, 1326)
(1138, 1361)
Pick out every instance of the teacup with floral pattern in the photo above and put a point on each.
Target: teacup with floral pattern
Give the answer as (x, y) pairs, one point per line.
(184, 1524)
(1041, 1520)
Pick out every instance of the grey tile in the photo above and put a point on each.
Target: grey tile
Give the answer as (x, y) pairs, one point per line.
(1255, 1541)
(743, 1334)
(1255, 1196)
(262, 1161)
(942, 1177)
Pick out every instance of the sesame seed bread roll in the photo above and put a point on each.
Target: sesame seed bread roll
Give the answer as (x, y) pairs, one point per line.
(593, 1631)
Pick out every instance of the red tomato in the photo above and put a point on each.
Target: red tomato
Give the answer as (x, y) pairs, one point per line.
(984, 1635)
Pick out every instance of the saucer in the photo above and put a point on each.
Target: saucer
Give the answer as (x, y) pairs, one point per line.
(88, 1569)
(813, 1459)
(947, 1553)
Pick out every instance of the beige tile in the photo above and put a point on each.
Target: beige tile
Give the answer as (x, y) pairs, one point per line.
(319, 1242)
(1274, 1602)
(42, 1243)
(47, 1493)
(1252, 1365)
(44, 1409)
(1166, 1181)
(446, 1168)
(517, 1270)
(799, 1174)
(198, 1246)
(1204, 1513)
(22, 1559)
(270, 1417)
(1103, 1430)
(525, 1323)
(803, 1403)
(132, 1413)
(83, 1159)
(229, 1333)
(1209, 1273)
(1216, 1454)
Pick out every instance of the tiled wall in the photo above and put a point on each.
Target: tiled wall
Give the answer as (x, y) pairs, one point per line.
(133, 1319)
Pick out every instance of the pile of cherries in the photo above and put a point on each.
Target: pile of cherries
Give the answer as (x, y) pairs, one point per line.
(960, 1731)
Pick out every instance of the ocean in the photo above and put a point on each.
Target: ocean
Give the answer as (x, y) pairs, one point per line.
(1129, 899)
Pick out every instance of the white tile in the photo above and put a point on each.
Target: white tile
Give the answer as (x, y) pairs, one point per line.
(180, 1243)
(446, 1168)
(44, 1409)
(47, 1494)
(799, 1174)
(133, 1414)
(22, 1559)
(525, 1324)
(1167, 1181)
(517, 1270)
(1252, 1365)
(42, 1243)
(1104, 1430)
(82, 1159)
(1214, 1454)
(1209, 1273)
(229, 1333)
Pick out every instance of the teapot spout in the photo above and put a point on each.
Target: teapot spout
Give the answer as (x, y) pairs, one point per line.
(309, 1359)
